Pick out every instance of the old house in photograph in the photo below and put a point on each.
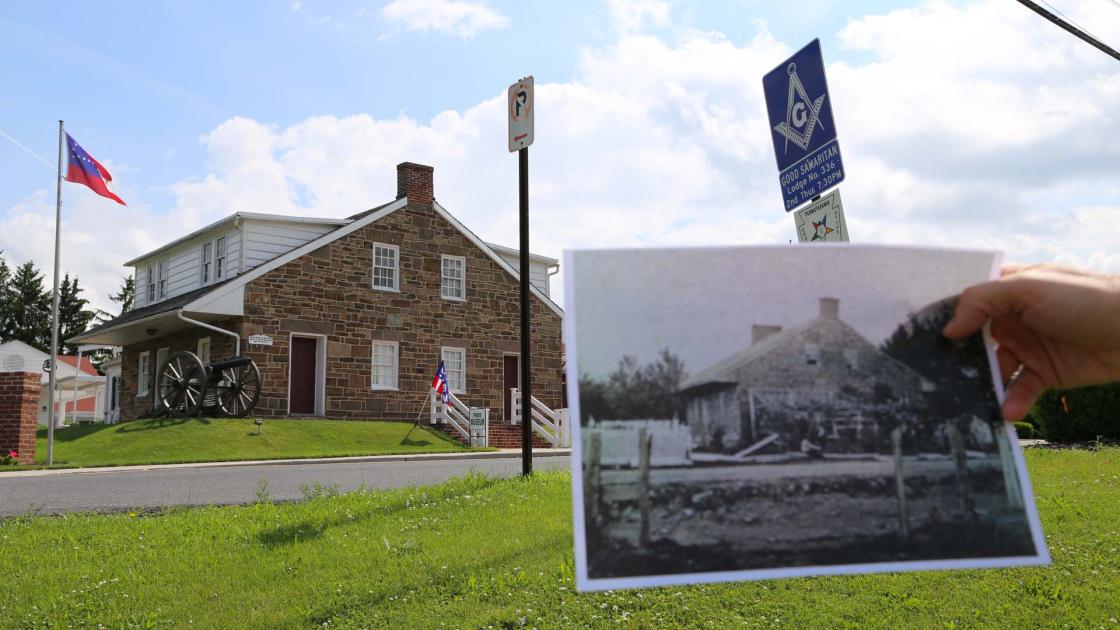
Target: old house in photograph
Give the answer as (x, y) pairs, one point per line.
(346, 318)
(804, 382)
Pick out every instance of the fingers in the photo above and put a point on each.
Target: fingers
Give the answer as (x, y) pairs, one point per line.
(976, 305)
(1008, 362)
(1022, 394)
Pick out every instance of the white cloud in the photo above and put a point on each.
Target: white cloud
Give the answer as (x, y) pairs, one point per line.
(456, 17)
(634, 15)
(659, 142)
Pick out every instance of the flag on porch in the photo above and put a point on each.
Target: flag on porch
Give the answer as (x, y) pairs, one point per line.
(83, 169)
(439, 383)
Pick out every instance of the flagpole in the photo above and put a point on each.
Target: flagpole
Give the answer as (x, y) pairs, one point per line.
(54, 300)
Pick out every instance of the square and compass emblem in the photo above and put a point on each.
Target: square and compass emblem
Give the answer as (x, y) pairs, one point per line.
(802, 126)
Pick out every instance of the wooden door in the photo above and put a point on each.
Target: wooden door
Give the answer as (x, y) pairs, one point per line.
(301, 389)
(511, 373)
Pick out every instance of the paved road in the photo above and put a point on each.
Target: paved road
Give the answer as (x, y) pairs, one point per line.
(106, 490)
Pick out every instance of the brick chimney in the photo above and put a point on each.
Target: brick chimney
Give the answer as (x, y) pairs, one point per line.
(415, 182)
(830, 307)
(762, 331)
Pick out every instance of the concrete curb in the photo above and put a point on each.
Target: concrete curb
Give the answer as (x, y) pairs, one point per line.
(505, 453)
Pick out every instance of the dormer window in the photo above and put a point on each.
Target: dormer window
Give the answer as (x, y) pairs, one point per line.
(207, 262)
(161, 279)
(151, 285)
(219, 258)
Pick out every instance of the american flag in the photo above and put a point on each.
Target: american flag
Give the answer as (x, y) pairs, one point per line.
(439, 383)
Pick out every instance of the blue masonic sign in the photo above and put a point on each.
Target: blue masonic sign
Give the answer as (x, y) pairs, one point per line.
(802, 127)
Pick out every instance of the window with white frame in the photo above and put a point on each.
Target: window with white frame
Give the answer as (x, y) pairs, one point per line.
(453, 286)
(161, 356)
(812, 354)
(204, 350)
(386, 267)
(384, 365)
(161, 278)
(151, 279)
(455, 366)
(142, 369)
(851, 358)
(207, 262)
(219, 258)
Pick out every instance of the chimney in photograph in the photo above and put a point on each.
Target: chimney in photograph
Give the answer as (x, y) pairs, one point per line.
(830, 307)
(762, 331)
(415, 182)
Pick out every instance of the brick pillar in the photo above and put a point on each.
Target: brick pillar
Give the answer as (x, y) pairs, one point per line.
(19, 413)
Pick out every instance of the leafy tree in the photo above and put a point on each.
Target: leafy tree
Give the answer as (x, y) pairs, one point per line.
(29, 308)
(73, 318)
(125, 296)
(635, 392)
(958, 370)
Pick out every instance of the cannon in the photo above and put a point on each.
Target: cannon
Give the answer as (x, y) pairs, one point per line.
(185, 386)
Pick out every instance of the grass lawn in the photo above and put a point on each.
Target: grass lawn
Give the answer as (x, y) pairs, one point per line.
(172, 441)
(477, 552)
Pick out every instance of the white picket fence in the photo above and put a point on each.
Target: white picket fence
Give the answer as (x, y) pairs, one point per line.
(454, 413)
(671, 442)
(553, 425)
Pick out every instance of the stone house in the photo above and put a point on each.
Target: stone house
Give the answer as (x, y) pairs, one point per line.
(814, 381)
(346, 318)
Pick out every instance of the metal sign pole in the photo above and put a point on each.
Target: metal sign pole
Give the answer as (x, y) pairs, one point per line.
(526, 380)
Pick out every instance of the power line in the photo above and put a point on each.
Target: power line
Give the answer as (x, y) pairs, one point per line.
(1080, 34)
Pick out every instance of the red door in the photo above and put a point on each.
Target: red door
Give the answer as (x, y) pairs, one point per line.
(511, 373)
(301, 389)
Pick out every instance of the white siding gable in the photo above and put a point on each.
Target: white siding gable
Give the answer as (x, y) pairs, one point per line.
(185, 264)
(538, 271)
(265, 240)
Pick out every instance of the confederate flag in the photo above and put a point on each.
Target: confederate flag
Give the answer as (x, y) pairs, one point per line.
(83, 169)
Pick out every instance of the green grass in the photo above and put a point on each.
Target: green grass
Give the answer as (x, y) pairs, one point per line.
(173, 441)
(478, 553)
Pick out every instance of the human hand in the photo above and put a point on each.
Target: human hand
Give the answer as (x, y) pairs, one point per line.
(1058, 327)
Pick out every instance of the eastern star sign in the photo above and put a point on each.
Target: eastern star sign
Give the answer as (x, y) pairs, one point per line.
(818, 234)
(802, 114)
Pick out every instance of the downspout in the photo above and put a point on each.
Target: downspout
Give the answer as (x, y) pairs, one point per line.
(240, 245)
(236, 337)
(551, 270)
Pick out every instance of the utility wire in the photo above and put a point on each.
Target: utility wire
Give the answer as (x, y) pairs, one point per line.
(28, 151)
(1080, 34)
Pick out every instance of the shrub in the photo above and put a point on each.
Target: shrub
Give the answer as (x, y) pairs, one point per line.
(1024, 430)
(11, 458)
(1084, 414)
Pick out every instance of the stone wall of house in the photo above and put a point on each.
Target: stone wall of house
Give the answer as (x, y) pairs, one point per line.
(19, 413)
(134, 406)
(842, 358)
(329, 292)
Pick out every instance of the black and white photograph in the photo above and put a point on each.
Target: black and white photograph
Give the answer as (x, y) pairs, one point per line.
(760, 412)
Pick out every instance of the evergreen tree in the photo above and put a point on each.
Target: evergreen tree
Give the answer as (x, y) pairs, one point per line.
(5, 317)
(125, 296)
(73, 318)
(29, 307)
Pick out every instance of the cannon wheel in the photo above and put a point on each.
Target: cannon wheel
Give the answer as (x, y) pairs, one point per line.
(182, 384)
(239, 387)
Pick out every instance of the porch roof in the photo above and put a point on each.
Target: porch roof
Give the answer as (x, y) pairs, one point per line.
(132, 326)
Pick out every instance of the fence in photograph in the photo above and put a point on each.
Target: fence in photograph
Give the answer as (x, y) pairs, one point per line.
(554, 425)
(671, 442)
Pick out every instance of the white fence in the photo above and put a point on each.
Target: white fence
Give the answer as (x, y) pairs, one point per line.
(553, 425)
(671, 442)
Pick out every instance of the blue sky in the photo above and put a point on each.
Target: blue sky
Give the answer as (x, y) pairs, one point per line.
(645, 108)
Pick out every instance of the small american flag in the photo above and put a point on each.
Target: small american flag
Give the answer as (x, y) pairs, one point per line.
(439, 383)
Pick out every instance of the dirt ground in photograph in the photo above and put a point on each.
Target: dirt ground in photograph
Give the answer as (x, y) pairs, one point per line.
(803, 514)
